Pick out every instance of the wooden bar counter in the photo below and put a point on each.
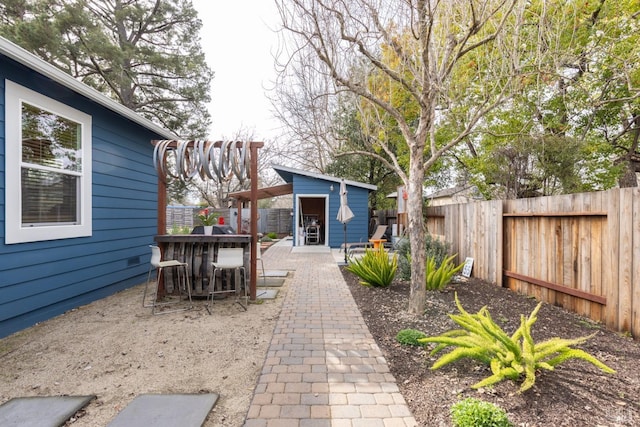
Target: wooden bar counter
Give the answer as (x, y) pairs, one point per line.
(199, 251)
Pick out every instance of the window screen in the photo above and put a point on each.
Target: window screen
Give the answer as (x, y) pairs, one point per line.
(51, 168)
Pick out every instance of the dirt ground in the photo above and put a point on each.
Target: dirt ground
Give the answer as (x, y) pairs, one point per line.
(115, 349)
(576, 394)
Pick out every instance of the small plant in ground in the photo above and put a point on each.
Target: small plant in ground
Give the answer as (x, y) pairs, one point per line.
(374, 268)
(514, 357)
(272, 235)
(473, 412)
(438, 278)
(410, 337)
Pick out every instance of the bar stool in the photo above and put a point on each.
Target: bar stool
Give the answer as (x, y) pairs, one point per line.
(182, 271)
(228, 259)
(259, 259)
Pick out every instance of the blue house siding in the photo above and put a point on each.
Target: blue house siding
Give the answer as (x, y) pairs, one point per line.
(40, 280)
(358, 227)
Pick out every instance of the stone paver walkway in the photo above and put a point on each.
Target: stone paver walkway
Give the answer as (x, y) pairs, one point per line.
(323, 367)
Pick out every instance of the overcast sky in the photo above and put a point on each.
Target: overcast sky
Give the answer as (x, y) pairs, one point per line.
(238, 42)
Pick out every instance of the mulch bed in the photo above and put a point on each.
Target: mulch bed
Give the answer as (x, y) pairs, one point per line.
(575, 394)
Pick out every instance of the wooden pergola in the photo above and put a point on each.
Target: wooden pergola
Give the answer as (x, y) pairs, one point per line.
(252, 193)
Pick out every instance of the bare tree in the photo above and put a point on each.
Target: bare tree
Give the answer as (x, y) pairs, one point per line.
(302, 99)
(427, 50)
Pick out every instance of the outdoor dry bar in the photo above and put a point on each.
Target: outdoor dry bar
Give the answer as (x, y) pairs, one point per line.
(199, 251)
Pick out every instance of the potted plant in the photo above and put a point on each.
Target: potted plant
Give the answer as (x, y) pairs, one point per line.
(207, 219)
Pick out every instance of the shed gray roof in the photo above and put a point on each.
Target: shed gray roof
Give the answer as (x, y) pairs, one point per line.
(20, 55)
(287, 174)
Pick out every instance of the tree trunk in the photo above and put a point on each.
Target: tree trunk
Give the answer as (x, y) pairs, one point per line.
(631, 160)
(415, 202)
(629, 177)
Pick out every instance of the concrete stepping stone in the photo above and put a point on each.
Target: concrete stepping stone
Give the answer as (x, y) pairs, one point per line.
(41, 411)
(166, 410)
(266, 293)
(270, 282)
(275, 273)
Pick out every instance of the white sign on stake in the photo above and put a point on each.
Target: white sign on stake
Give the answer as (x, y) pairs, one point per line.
(468, 265)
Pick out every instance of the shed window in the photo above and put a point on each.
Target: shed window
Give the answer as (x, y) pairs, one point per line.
(48, 168)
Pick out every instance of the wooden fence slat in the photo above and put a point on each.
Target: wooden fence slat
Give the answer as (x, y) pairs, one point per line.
(625, 261)
(546, 259)
(598, 246)
(584, 258)
(635, 259)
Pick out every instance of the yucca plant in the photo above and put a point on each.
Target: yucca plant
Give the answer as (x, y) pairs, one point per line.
(514, 357)
(374, 268)
(438, 278)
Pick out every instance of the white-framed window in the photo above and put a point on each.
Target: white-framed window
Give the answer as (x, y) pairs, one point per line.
(48, 168)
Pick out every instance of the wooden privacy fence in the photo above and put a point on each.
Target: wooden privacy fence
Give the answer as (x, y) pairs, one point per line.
(577, 251)
(277, 220)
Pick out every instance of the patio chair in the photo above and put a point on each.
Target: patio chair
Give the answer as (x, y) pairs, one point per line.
(228, 259)
(182, 273)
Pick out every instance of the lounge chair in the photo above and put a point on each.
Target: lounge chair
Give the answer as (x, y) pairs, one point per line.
(377, 235)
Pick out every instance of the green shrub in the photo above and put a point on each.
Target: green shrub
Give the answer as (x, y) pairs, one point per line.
(403, 249)
(514, 357)
(433, 248)
(438, 278)
(410, 337)
(272, 235)
(374, 268)
(266, 239)
(472, 412)
(176, 229)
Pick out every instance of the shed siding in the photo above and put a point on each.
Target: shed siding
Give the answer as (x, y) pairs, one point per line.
(357, 198)
(40, 280)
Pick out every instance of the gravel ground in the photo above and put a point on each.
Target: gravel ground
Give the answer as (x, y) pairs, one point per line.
(115, 349)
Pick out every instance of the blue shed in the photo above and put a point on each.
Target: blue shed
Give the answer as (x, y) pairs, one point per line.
(316, 199)
(78, 192)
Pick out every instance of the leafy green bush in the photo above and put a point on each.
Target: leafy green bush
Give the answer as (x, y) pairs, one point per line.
(403, 249)
(433, 248)
(472, 412)
(438, 278)
(410, 337)
(272, 235)
(514, 357)
(176, 229)
(374, 268)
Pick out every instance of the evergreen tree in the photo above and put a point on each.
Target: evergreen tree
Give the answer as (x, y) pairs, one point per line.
(145, 54)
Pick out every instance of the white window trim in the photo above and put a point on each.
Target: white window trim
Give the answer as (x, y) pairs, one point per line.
(14, 232)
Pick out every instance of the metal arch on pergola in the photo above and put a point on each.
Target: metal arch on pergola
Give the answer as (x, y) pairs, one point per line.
(198, 157)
